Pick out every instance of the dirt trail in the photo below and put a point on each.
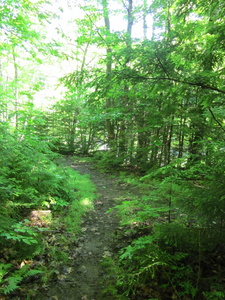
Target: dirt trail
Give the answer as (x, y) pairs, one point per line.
(83, 280)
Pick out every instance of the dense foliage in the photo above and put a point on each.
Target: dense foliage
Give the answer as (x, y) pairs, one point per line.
(153, 104)
(33, 183)
(36, 188)
(158, 105)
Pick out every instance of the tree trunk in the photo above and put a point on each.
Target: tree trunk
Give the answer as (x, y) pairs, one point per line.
(198, 129)
(181, 137)
(16, 91)
(109, 102)
(123, 147)
(145, 26)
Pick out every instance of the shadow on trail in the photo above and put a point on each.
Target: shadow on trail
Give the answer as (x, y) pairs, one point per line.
(83, 277)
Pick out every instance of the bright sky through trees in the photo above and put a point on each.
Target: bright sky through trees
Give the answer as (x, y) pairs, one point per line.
(64, 25)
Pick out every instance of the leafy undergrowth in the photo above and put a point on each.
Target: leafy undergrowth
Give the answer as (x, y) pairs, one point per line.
(165, 247)
(164, 250)
(40, 199)
(58, 228)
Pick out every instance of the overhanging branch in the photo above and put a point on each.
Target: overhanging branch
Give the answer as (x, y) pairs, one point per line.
(217, 121)
(199, 84)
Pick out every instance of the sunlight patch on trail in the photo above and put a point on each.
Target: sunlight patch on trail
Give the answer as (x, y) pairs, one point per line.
(87, 202)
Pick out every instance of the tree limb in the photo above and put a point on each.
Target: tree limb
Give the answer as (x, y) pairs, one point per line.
(218, 122)
(162, 66)
(199, 84)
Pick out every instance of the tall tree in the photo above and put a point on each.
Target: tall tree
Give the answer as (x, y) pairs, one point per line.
(109, 100)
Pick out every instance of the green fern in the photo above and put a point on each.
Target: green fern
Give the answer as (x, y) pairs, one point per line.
(12, 282)
(4, 269)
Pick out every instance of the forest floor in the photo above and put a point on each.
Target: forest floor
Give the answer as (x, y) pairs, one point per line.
(82, 278)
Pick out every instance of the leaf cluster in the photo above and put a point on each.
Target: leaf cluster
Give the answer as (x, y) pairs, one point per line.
(13, 279)
(32, 177)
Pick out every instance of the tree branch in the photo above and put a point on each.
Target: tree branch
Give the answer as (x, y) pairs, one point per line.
(162, 66)
(218, 122)
(124, 4)
(199, 84)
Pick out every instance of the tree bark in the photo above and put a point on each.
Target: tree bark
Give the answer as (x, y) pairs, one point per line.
(109, 102)
(16, 91)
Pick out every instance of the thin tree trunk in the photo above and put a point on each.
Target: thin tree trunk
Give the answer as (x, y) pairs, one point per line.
(145, 26)
(181, 137)
(123, 147)
(169, 140)
(16, 91)
(155, 157)
(3, 105)
(109, 102)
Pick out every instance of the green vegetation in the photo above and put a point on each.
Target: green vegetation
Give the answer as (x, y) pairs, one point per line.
(32, 185)
(173, 246)
(83, 200)
(151, 105)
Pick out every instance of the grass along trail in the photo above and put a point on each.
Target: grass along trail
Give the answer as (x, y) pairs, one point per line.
(82, 278)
